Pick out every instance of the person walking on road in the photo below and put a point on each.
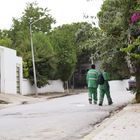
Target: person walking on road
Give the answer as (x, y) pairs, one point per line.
(104, 89)
(91, 78)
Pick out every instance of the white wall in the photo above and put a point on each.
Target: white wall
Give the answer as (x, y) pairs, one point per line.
(8, 64)
(27, 88)
(117, 85)
(57, 86)
(10, 71)
(2, 81)
(54, 86)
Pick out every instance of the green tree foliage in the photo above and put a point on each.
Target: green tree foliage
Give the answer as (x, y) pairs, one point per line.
(20, 36)
(133, 48)
(4, 38)
(114, 25)
(6, 42)
(86, 38)
(120, 21)
(20, 29)
(63, 40)
(45, 61)
(55, 50)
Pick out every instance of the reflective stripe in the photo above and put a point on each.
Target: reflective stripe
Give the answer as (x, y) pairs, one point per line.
(92, 78)
(93, 72)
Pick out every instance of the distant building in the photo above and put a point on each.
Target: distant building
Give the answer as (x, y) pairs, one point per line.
(10, 71)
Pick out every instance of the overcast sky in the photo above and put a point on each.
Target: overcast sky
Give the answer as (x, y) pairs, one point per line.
(64, 11)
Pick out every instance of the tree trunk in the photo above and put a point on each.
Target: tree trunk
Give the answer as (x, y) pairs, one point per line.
(138, 83)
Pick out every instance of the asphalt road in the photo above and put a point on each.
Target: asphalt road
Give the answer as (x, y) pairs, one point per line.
(65, 118)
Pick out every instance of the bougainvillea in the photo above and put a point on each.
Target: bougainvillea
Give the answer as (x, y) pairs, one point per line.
(135, 17)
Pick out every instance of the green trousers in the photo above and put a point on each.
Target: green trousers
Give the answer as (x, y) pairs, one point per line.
(104, 92)
(92, 94)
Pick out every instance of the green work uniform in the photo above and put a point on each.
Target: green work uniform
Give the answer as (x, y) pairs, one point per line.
(91, 78)
(105, 90)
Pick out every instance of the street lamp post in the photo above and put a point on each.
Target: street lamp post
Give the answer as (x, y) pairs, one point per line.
(33, 58)
(91, 58)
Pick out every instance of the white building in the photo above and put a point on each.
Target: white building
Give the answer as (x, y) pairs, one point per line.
(10, 71)
(11, 76)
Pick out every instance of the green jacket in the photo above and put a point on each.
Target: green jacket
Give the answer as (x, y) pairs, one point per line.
(105, 86)
(92, 77)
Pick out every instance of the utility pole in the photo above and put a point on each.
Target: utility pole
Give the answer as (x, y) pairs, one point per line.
(33, 57)
(91, 58)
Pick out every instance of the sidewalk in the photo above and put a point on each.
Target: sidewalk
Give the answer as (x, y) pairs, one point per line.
(124, 125)
(7, 100)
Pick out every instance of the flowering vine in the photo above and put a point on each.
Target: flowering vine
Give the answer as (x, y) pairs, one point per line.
(135, 17)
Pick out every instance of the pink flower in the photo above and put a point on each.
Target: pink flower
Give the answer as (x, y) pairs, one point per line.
(135, 17)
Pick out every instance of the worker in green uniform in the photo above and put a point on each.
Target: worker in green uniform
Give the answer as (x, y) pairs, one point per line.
(91, 78)
(105, 89)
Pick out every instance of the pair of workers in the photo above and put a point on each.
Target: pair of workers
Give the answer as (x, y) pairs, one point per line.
(92, 82)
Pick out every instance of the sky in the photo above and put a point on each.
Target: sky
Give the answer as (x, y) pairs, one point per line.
(64, 11)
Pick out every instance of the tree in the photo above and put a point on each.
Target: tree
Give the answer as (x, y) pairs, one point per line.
(56, 50)
(67, 42)
(120, 21)
(19, 34)
(114, 25)
(63, 40)
(4, 38)
(45, 61)
(133, 48)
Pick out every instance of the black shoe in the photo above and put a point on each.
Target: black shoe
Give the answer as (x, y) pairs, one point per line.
(90, 101)
(100, 104)
(110, 103)
(95, 102)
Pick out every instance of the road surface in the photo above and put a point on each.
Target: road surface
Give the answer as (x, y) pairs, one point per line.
(65, 118)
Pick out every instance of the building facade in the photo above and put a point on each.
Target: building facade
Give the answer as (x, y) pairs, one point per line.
(10, 71)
